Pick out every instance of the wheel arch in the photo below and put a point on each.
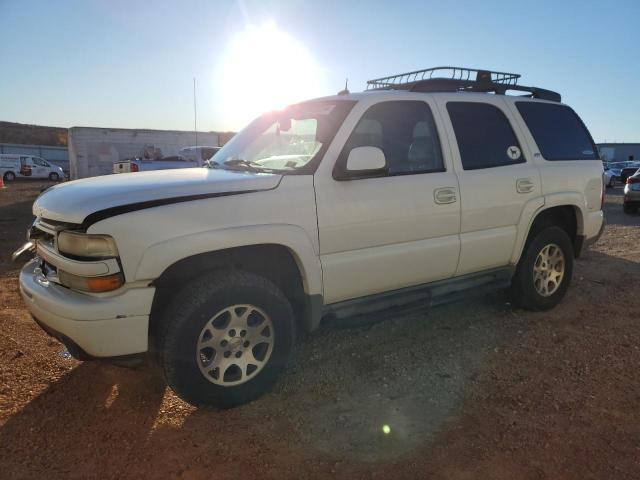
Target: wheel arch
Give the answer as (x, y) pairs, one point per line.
(567, 215)
(276, 262)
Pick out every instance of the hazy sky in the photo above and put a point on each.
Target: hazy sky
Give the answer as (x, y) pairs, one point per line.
(128, 63)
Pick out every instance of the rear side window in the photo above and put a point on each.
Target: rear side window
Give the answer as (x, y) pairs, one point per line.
(558, 131)
(484, 134)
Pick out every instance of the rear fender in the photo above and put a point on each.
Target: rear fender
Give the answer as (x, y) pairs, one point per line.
(537, 205)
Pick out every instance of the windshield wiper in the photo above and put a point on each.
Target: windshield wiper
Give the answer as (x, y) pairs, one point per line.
(234, 163)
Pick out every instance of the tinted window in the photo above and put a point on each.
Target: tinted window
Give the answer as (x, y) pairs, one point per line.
(558, 131)
(485, 137)
(406, 133)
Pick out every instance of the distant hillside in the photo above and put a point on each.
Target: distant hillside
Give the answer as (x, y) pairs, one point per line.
(32, 134)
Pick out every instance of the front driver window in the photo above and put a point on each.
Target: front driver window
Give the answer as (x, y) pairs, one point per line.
(406, 133)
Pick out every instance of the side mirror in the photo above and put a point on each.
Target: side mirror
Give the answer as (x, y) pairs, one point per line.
(366, 160)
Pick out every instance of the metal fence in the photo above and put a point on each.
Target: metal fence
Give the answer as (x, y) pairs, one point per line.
(56, 155)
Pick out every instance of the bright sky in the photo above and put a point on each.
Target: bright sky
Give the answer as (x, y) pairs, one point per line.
(131, 63)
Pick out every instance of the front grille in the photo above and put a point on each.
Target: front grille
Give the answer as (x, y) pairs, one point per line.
(47, 268)
(47, 238)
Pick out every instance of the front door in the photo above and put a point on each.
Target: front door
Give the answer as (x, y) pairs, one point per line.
(400, 229)
(41, 169)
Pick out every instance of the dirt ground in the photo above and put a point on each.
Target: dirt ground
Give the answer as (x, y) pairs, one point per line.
(468, 391)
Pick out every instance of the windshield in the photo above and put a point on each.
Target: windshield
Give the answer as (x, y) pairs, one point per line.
(285, 141)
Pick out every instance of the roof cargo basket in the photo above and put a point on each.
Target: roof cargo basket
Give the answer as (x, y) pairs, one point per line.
(453, 79)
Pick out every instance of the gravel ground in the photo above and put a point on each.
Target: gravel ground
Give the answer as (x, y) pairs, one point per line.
(471, 390)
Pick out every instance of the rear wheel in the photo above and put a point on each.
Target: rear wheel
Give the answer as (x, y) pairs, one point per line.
(227, 336)
(54, 177)
(544, 271)
(9, 176)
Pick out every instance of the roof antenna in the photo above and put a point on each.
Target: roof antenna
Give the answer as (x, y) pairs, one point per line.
(346, 89)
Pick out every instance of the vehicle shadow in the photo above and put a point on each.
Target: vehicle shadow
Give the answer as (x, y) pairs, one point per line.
(84, 425)
(355, 400)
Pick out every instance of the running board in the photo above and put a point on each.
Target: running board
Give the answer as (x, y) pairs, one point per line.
(418, 299)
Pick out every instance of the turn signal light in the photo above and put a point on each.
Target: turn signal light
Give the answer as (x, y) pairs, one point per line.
(91, 284)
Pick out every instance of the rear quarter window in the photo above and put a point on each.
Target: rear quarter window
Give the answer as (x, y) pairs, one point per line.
(558, 131)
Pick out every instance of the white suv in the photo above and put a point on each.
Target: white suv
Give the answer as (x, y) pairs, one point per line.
(423, 189)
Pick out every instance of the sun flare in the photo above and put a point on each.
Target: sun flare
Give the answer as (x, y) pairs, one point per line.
(264, 69)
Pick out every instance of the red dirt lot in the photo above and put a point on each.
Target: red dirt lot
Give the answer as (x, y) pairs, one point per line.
(468, 391)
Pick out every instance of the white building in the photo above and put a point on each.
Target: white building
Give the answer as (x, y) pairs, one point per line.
(92, 151)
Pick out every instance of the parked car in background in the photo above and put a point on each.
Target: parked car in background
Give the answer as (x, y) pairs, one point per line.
(199, 154)
(608, 177)
(628, 171)
(145, 165)
(614, 169)
(631, 200)
(14, 166)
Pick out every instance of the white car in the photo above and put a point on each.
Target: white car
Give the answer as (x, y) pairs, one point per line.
(610, 176)
(14, 166)
(146, 165)
(421, 190)
(200, 154)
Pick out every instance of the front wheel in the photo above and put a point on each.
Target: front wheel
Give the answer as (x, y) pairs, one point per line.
(9, 177)
(227, 336)
(544, 271)
(54, 177)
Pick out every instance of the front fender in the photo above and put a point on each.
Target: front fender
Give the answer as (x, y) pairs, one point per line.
(160, 256)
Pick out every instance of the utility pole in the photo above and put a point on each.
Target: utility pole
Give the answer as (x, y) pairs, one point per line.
(195, 112)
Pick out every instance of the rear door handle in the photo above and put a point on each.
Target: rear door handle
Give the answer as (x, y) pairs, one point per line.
(444, 195)
(524, 185)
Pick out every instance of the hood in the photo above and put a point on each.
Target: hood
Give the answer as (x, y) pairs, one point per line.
(73, 202)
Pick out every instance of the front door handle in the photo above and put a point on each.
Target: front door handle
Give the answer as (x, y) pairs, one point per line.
(444, 195)
(524, 185)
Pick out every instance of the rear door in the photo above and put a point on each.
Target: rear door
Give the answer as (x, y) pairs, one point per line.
(496, 174)
(395, 230)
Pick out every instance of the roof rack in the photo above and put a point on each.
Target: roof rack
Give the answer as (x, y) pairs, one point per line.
(452, 79)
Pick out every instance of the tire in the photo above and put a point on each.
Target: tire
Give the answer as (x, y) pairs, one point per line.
(9, 176)
(54, 177)
(203, 313)
(529, 282)
(630, 209)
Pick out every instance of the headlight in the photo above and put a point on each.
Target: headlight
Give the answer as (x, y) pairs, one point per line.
(85, 245)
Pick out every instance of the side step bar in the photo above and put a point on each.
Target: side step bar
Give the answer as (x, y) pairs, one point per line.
(417, 299)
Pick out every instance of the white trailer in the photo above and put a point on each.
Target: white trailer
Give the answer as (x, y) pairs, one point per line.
(93, 151)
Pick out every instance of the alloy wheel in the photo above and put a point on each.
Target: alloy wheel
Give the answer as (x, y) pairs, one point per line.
(235, 344)
(548, 270)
